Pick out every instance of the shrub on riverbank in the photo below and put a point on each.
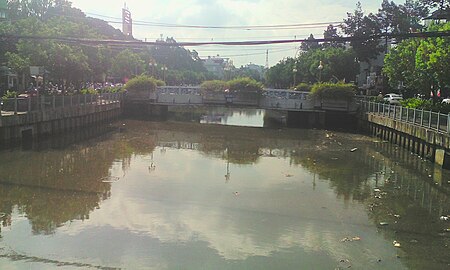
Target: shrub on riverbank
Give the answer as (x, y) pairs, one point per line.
(245, 84)
(303, 87)
(214, 86)
(336, 91)
(141, 83)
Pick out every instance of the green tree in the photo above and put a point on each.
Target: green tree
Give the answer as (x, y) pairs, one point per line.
(331, 33)
(127, 64)
(19, 65)
(311, 44)
(421, 65)
(338, 65)
(362, 28)
(441, 4)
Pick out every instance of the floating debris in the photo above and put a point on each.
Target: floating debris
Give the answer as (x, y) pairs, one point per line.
(397, 216)
(377, 190)
(344, 263)
(110, 179)
(354, 149)
(396, 244)
(236, 193)
(347, 239)
(444, 218)
(384, 223)
(414, 241)
(289, 175)
(2, 215)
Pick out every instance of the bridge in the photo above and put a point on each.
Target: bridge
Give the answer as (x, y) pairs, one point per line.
(270, 99)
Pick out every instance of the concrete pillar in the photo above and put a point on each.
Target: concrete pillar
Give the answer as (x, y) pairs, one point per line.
(442, 158)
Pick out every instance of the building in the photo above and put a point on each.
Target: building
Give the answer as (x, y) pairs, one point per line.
(127, 22)
(3, 10)
(217, 65)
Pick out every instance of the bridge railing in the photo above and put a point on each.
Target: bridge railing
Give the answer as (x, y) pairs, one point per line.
(427, 119)
(20, 105)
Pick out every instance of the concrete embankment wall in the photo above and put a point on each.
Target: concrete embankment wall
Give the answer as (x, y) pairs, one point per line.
(422, 141)
(38, 123)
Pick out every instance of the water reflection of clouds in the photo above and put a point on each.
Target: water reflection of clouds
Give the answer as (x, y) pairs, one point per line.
(272, 213)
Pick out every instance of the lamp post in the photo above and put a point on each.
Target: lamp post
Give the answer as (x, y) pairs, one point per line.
(294, 70)
(164, 69)
(152, 67)
(320, 68)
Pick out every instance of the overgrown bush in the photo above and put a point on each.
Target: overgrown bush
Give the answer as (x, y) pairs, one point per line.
(427, 105)
(88, 91)
(245, 84)
(9, 94)
(416, 103)
(158, 82)
(214, 86)
(141, 83)
(113, 89)
(337, 91)
(303, 87)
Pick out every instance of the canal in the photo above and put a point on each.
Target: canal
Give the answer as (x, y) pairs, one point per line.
(218, 191)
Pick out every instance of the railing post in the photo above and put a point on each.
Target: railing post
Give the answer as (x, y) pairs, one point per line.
(29, 104)
(71, 100)
(395, 112)
(0, 109)
(429, 119)
(84, 99)
(448, 123)
(439, 121)
(63, 101)
(414, 117)
(15, 105)
(54, 102)
(421, 119)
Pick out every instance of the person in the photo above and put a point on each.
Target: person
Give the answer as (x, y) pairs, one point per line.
(380, 95)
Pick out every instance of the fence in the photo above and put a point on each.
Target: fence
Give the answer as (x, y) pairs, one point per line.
(13, 106)
(427, 119)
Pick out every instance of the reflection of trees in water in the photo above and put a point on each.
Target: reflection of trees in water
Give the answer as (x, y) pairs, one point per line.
(48, 209)
(55, 186)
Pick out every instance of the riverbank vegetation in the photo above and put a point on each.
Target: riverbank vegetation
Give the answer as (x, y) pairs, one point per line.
(143, 83)
(237, 85)
(333, 91)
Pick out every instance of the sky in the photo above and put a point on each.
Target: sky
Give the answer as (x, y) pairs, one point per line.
(228, 13)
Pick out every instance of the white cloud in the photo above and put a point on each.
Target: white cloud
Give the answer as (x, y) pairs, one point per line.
(228, 13)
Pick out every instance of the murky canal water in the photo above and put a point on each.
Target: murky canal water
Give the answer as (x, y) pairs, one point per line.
(171, 195)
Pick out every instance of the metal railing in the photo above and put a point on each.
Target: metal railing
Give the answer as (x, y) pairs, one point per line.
(427, 119)
(22, 105)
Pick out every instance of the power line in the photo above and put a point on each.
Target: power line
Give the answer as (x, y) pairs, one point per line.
(230, 43)
(241, 27)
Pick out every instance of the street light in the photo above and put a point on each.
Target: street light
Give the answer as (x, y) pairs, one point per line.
(320, 68)
(295, 75)
(153, 67)
(164, 69)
